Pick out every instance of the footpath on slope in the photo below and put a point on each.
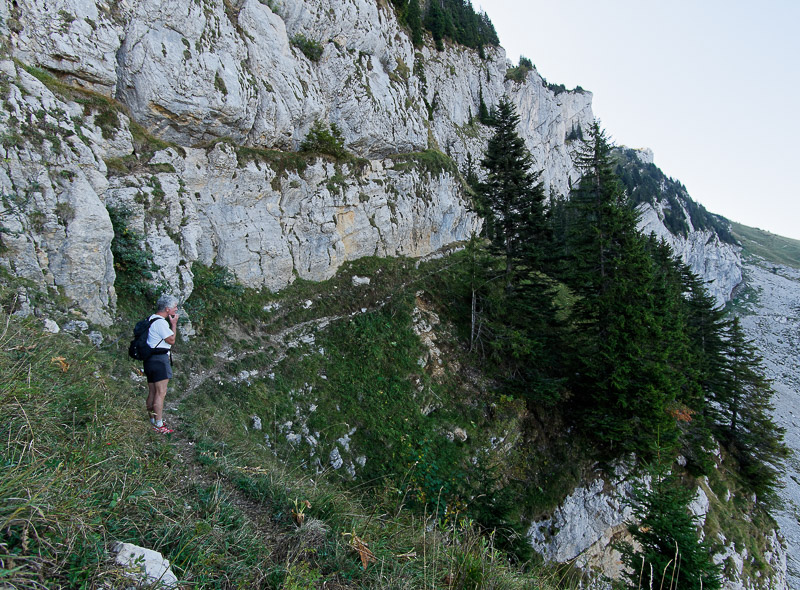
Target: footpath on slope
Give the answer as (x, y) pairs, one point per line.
(257, 512)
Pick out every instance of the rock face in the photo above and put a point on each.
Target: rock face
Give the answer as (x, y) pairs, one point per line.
(584, 528)
(700, 239)
(195, 72)
(268, 229)
(769, 305)
(717, 263)
(57, 232)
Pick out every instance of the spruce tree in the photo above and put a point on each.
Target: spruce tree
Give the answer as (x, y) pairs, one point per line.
(747, 428)
(669, 553)
(483, 110)
(706, 326)
(512, 196)
(414, 22)
(521, 317)
(623, 383)
(436, 23)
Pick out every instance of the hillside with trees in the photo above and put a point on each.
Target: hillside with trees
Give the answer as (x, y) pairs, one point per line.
(387, 373)
(646, 183)
(562, 330)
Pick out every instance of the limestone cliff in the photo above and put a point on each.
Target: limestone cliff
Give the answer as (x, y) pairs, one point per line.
(700, 239)
(194, 73)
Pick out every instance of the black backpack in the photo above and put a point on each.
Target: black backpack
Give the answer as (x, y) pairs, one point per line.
(138, 348)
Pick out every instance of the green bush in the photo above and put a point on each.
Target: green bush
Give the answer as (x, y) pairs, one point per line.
(432, 161)
(215, 293)
(310, 48)
(325, 139)
(133, 263)
(519, 73)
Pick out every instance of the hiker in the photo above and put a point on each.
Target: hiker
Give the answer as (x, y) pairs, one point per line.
(158, 367)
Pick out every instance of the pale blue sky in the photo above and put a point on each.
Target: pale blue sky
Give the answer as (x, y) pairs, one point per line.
(710, 86)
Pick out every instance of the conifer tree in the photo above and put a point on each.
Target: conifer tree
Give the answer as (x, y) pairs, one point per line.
(512, 196)
(436, 23)
(470, 174)
(414, 22)
(705, 327)
(623, 381)
(521, 317)
(483, 110)
(669, 553)
(670, 313)
(747, 427)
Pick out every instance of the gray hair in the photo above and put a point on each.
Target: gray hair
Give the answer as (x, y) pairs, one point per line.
(165, 301)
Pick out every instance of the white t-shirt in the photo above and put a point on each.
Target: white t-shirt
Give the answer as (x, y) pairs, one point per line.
(159, 330)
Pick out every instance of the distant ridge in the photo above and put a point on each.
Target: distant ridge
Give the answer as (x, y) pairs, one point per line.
(769, 246)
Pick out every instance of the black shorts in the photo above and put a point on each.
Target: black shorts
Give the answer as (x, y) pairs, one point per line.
(157, 368)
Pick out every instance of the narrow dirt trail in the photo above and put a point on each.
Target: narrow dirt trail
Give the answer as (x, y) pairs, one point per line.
(278, 343)
(186, 453)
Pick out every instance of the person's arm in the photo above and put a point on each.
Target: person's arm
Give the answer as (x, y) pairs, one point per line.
(173, 324)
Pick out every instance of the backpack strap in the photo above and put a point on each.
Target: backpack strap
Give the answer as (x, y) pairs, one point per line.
(162, 340)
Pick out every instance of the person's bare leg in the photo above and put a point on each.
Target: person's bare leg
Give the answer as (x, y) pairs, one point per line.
(158, 402)
(151, 400)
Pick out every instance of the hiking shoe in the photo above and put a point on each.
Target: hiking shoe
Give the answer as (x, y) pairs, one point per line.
(163, 430)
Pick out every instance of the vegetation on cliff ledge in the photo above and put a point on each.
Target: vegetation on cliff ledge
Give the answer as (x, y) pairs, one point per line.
(447, 19)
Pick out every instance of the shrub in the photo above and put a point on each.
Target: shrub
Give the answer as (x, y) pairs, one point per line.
(432, 161)
(65, 213)
(215, 291)
(519, 73)
(219, 84)
(310, 48)
(132, 262)
(324, 139)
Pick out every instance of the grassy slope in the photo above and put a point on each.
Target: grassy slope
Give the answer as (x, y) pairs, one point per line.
(82, 468)
(771, 247)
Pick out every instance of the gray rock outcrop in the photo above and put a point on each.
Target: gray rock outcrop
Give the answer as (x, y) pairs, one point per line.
(769, 307)
(56, 229)
(587, 524)
(719, 264)
(584, 525)
(196, 72)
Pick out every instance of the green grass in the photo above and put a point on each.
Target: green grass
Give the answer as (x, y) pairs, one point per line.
(80, 455)
(354, 373)
(432, 161)
(83, 469)
(728, 517)
(770, 247)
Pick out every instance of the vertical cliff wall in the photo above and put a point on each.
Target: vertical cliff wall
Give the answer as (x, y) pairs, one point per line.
(211, 78)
